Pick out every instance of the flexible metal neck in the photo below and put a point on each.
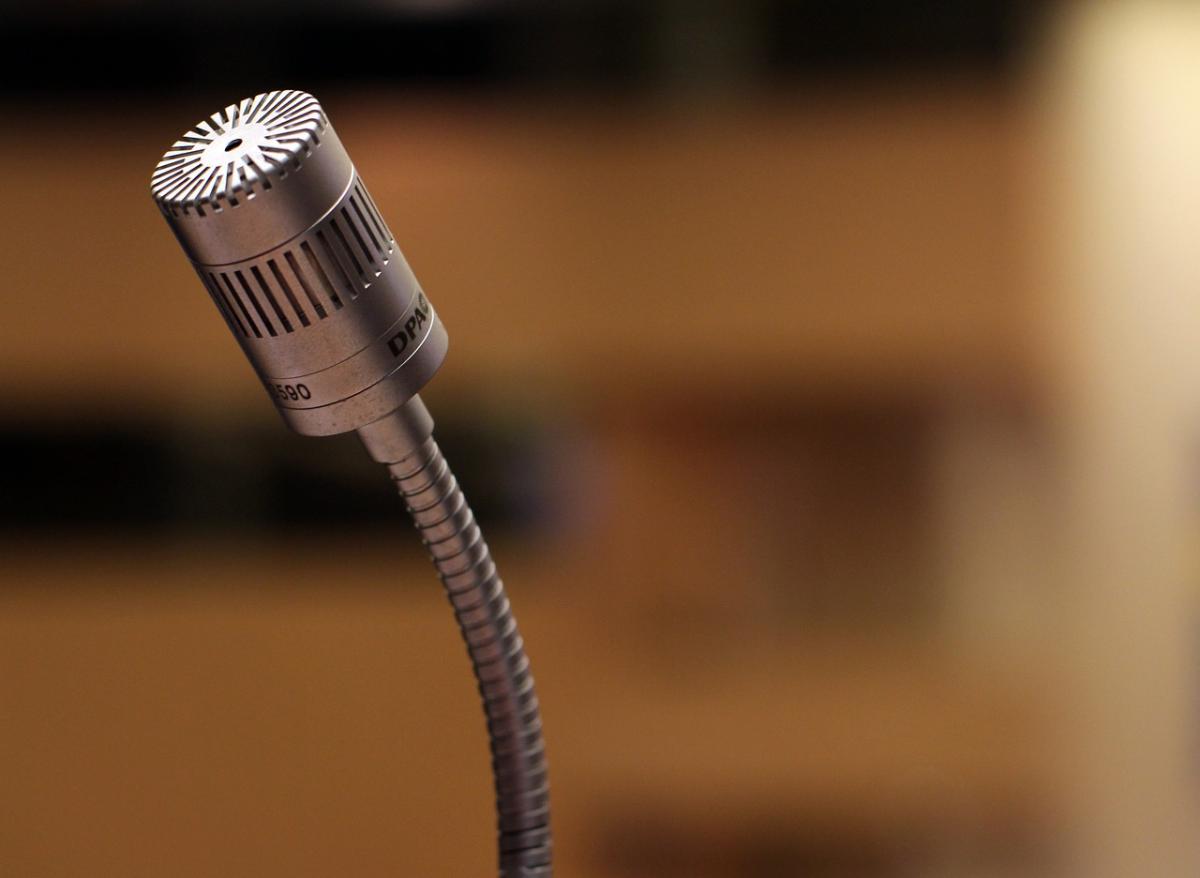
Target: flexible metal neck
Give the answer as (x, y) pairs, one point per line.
(403, 442)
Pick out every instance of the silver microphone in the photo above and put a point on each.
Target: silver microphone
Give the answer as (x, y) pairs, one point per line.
(284, 235)
(302, 267)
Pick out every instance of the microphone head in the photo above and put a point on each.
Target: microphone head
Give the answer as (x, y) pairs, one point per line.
(297, 258)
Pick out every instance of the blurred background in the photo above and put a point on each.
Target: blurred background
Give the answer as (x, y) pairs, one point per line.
(826, 376)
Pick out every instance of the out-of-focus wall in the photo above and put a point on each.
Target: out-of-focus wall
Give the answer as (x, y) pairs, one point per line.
(771, 387)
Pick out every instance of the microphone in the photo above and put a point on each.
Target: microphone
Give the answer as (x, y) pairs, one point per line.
(299, 262)
(294, 253)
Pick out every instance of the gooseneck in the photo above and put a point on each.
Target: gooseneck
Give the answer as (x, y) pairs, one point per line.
(403, 442)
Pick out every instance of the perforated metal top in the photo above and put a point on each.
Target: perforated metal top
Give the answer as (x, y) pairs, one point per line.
(251, 176)
(238, 152)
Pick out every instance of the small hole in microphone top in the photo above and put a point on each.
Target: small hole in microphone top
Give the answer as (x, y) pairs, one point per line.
(233, 144)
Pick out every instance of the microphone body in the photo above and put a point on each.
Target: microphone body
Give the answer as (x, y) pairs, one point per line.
(297, 258)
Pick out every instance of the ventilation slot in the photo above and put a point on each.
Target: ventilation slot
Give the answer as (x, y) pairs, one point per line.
(304, 284)
(371, 253)
(233, 297)
(346, 251)
(373, 216)
(315, 264)
(253, 300)
(331, 254)
(262, 284)
(223, 304)
(287, 291)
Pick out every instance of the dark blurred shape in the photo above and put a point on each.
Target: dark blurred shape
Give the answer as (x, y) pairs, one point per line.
(142, 480)
(873, 37)
(235, 49)
(121, 477)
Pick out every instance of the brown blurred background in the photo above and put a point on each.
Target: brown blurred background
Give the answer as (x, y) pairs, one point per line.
(826, 378)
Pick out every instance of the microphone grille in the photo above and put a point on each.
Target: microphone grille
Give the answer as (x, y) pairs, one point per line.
(238, 153)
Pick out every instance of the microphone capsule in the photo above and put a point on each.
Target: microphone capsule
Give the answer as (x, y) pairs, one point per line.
(297, 258)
